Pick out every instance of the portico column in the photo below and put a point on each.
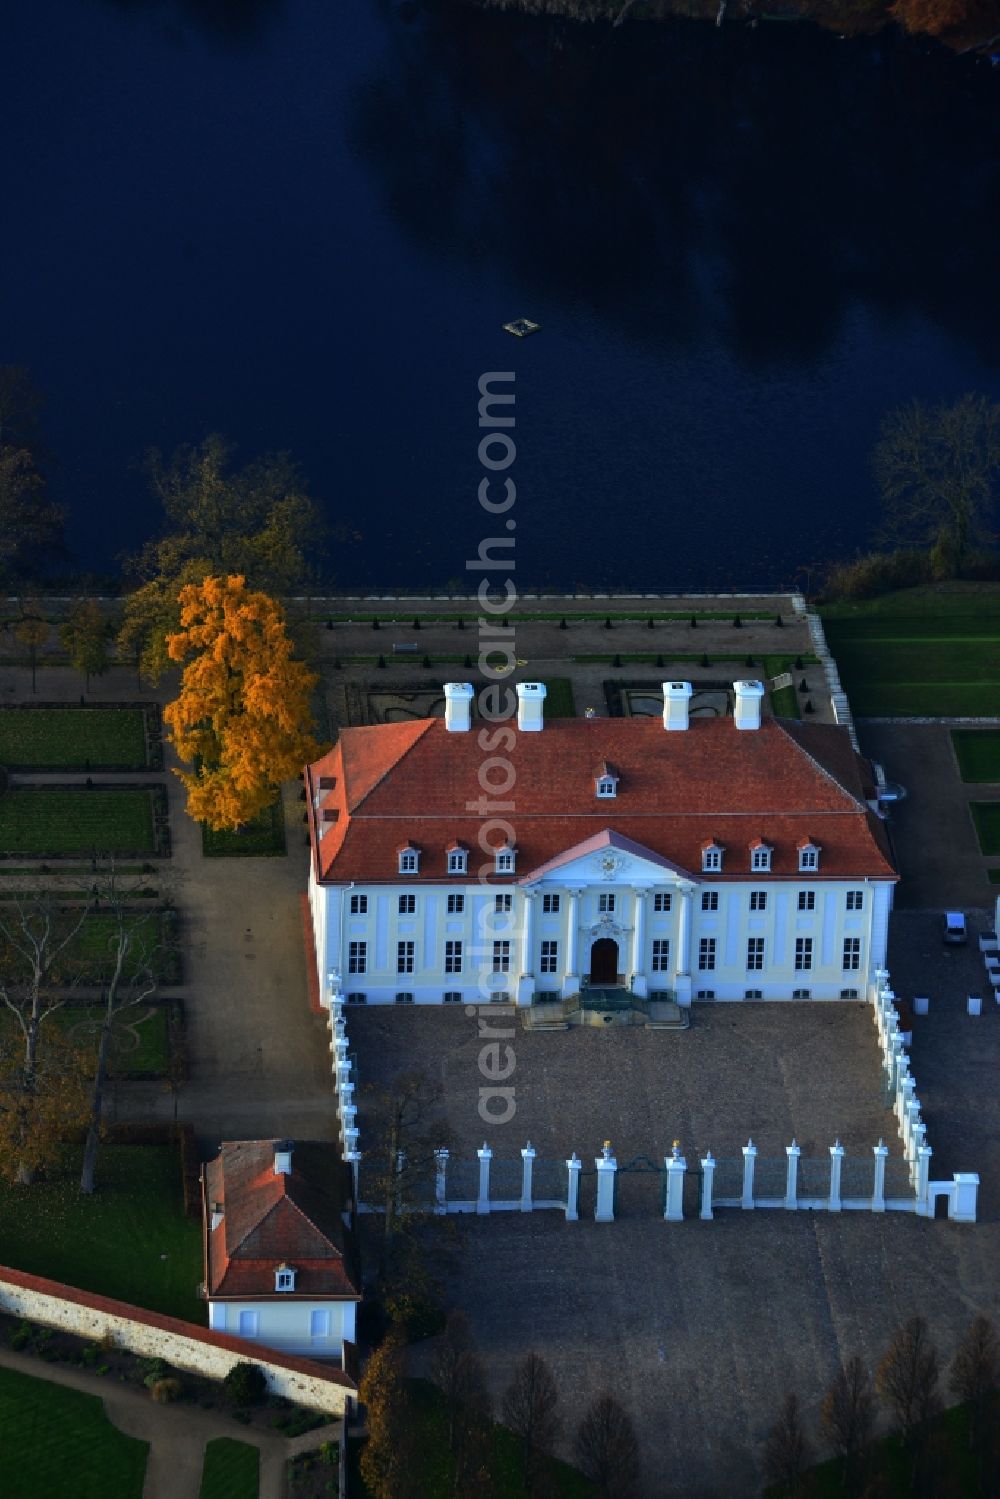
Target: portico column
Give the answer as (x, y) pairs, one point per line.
(682, 980)
(571, 981)
(639, 943)
(526, 979)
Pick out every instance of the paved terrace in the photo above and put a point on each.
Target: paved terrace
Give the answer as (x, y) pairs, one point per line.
(772, 1071)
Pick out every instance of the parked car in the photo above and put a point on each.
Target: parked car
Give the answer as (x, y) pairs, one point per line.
(954, 927)
(890, 791)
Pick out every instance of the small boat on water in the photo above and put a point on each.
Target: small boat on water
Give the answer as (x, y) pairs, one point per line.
(521, 327)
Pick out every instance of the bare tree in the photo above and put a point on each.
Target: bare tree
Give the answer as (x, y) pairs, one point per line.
(400, 1167)
(907, 1378)
(847, 1415)
(134, 955)
(530, 1410)
(786, 1451)
(457, 1368)
(32, 631)
(38, 972)
(607, 1449)
(975, 1374)
(939, 471)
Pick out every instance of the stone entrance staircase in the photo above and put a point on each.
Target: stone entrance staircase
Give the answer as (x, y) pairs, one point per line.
(602, 1007)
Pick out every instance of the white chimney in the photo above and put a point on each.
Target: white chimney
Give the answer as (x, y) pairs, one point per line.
(458, 706)
(217, 1215)
(748, 698)
(676, 703)
(530, 698)
(283, 1158)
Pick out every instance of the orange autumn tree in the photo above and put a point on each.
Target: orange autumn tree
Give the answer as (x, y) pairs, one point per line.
(242, 720)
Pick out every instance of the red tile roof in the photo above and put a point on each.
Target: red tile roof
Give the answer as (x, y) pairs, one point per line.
(270, 1218)
(677, 793)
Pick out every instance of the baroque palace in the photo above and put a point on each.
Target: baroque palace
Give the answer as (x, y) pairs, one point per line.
(731, 858)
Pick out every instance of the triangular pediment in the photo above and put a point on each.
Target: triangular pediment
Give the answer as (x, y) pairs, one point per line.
(606, 857)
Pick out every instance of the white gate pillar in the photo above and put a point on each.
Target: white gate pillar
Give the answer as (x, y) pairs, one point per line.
(881, 1153)
(527, 1158)
(441, 1181)
(604, 1208)
(836, 1161)
(485, 1156)
(676, 1165)
(707, 1175)
(749, 1160)
(793, 1152)
(573, 1168)
(962, 1203)
(923, 1179)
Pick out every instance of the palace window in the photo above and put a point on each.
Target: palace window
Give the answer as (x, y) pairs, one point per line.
(458, 860)
(404, 957)
(500, 998)
(453, 957)
(661, 955)
(803, 954)
(758, 900)
(456, 905)
(661, 901)
(407, 905)
(501, 957)
(706, 954)
(753, 994)
(802, 994)
(359, 905)
(502, 903)
(605, 904)
(705, 994)
(711, 857)
(504, 861)
(807, 900)
(755, 954)
(550, 957)
(409, 861)
(403, 998)
(357, 957)
(852, 954)
(284, 1278)
(760, 856)
(710, 900)
(808, 857)
(855, 900)
(550, 905)
(355, 997)
(452, 996)
(849, 994)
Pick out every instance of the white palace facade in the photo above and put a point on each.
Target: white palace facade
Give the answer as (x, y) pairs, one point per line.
(463, 860)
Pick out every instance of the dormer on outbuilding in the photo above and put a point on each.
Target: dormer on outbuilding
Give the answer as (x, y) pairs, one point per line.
(605, 780)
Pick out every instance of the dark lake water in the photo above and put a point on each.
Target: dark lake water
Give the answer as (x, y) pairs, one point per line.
(302, 223)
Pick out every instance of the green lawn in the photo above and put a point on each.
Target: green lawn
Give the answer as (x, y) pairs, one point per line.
(986, 816)
(263, 837)
(231, 1470)
(130, 1239)
(559, 698)
(939, 602)
(994, 875)
(89, 958)
(78, 738)
(978, 753)
(58, 1444)
(139, 1041)
(44, 820)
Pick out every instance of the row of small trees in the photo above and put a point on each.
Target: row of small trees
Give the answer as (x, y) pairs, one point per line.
(907, 1384)
(396, 1459)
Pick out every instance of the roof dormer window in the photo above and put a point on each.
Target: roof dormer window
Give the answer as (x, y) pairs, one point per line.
(711, 857)
(760, 856)
(504, 861)
(605, 780)
(284, 1278)
(808, 857)
(409, 859)
(458, 858)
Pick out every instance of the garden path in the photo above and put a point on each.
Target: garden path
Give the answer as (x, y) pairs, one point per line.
(177, 1434)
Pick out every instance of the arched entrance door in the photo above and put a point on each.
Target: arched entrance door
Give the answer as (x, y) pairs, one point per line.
(604, 962)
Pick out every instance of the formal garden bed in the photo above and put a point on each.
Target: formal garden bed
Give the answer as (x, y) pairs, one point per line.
(231, 1470)
(978, 754)
(53, 822)
(59, 1444)
(89, 958)
(986, 818)
(146, 1042)
(98, 736)
(264, 837)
